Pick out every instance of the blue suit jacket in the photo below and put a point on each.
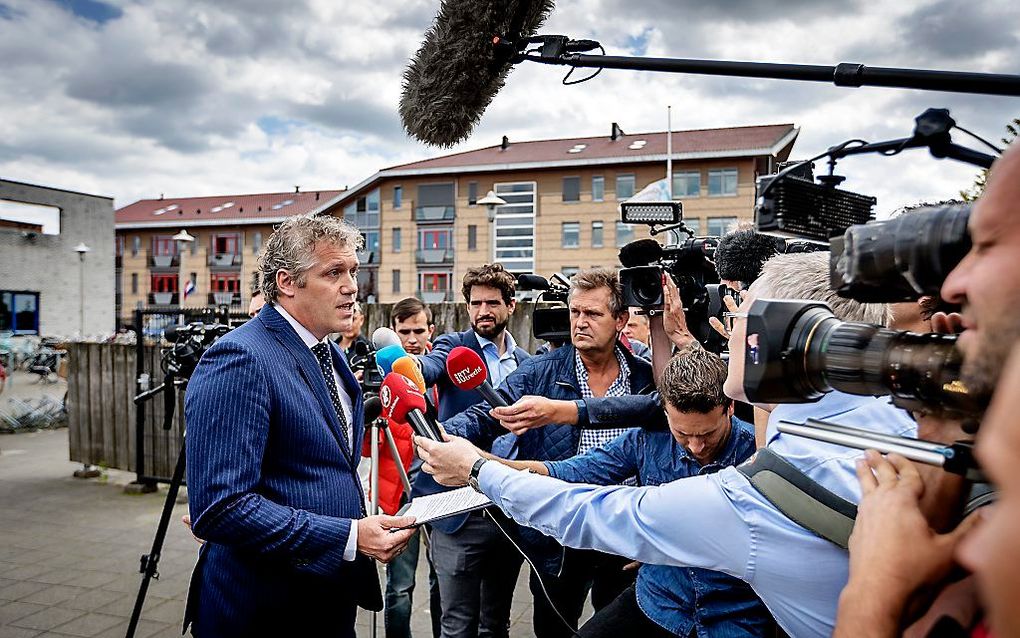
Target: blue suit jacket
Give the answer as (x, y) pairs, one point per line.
(273, 489)
(452, 401)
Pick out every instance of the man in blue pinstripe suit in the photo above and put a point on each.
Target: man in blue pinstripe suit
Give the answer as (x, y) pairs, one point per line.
(275, 425)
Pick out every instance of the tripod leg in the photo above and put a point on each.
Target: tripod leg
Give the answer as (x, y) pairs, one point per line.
(374, 487)
(150, 561)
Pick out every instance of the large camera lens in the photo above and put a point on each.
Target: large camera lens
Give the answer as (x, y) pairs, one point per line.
(642, 286)
(900, 259)
(797, 351)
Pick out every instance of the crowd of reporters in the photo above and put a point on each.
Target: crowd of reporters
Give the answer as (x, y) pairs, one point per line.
(622, 472)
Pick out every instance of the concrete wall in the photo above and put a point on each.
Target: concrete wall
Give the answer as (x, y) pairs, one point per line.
(48, 264)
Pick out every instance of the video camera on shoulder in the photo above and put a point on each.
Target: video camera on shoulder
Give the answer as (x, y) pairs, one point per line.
(549, 324)
(689, 263)
(187, 345)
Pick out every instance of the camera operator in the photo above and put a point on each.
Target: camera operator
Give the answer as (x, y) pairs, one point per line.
(911, 550)
(703, 437)
(593, 365)
(797, 573)
(275, 420)
(740, 255)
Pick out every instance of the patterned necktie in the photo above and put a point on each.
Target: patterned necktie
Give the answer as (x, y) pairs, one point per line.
(325, 358)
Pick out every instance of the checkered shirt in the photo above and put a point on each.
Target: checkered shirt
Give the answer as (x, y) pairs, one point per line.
(620, 387)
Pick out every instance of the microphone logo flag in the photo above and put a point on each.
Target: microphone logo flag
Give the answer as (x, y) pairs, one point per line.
(463, 377)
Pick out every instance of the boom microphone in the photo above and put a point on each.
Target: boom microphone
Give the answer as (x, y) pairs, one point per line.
(467, 371)
(383, 337)
(640, 252)
(527, 281)
(458, 69)
(403, 403)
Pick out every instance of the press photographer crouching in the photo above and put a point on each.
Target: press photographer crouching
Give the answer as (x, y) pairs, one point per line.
(898, 556)
(703, 437)
(795, 571)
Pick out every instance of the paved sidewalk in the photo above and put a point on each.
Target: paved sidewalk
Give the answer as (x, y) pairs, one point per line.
(69, 551)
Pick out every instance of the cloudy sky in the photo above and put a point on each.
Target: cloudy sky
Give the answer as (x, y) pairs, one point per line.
(195, 97)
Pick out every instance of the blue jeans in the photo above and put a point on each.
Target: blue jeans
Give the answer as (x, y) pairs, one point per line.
(400, 577)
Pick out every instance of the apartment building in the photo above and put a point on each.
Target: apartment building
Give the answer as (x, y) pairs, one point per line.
(425, 223)
(212, 261)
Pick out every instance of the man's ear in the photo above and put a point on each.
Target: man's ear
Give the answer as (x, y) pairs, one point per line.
(285, 283)
(510, 306)
(431, 330)
(621, 320)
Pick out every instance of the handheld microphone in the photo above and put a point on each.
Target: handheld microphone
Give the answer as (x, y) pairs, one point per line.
(403, 403)
(373, 408)
(385, 357)
(459, 69)
(383, 337)
(408, 366)
(467, 371)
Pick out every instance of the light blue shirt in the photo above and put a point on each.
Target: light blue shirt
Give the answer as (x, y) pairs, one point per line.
(718, 521)
(499, 365)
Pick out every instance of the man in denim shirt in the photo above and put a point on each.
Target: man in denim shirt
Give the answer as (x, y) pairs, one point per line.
(703, 437)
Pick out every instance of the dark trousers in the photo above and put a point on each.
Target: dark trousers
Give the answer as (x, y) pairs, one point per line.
(477, 568)
(582, 571)
(622, 617)
(400, 577)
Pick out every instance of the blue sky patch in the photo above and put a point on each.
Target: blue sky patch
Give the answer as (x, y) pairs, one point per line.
(98, 12)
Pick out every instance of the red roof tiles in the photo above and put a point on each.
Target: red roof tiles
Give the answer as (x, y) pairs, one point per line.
(234, 209)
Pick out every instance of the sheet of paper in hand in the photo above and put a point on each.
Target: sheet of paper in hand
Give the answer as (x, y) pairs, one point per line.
(433, 507)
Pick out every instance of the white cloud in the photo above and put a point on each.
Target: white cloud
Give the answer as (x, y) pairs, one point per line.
(202, 97)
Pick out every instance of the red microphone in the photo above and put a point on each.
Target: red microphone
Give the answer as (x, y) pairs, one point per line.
(467, 371)
(404, 404)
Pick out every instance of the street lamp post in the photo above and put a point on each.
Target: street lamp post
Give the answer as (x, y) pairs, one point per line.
(182, 237)
(491, 201)
(81, 249)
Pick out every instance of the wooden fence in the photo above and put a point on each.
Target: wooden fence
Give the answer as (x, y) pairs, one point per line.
(101, 388)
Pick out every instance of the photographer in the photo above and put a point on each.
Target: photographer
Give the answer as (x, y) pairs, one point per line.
(797, 573)
(986, 285)
(740, 255)
(593, 365)
(703, 437)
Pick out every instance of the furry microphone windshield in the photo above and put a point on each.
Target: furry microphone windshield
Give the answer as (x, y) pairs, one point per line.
(458, 70)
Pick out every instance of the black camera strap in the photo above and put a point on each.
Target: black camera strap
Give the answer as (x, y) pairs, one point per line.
(799, 498)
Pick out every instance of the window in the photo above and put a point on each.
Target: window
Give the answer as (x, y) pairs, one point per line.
(694, 224)
(435, 203)
(596, 235)
(224, 282)
(19, 312)
(398, 196)
(686, 184)
(571, 235)
(434, 239)
(120, 245)
(256, 242)
(720, 225)
(624, 186)
(722, 182)
(136, 245)
(364, 212)
(134, 283)
(164, 245)
(472, 193)
(571, 189)
(515, 226)
(397, 240)
(164, 283)
(624, 234)
(598, 188)
(396, 280)
(366, 284)
(435, 281)
(472, 237)
(371, 249)
(226, 244)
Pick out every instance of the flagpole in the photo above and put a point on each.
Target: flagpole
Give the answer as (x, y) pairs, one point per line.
(669, 151)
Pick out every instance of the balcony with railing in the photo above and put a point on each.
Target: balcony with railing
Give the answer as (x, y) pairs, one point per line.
(434, 255)
(225, 260)
(224, 299)
(435, 296)
(163, 298)
(166, 262)
(368, 257)
(433, 214)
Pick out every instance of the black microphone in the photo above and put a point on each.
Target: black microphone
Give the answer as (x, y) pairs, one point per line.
(373, 409)
(741, 254)
(459, 69)
(640, 252)
(527, 281)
